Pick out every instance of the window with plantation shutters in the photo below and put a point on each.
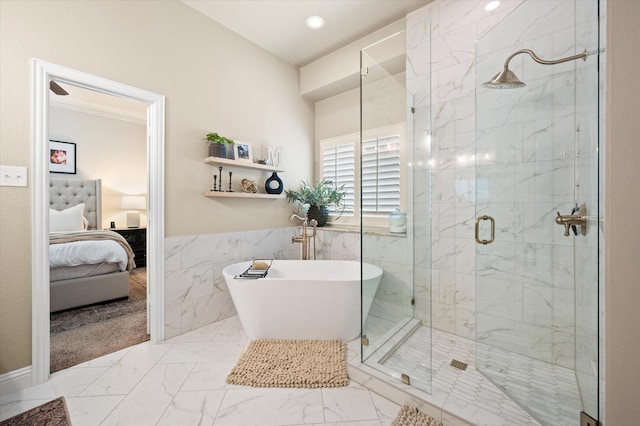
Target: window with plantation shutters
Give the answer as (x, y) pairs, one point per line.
(373, 165)
(381, 175)
(338, 166)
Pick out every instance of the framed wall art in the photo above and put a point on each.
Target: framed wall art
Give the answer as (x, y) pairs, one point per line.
(62, 157)
(243, 151)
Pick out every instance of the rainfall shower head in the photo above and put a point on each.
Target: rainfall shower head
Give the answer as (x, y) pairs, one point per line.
(506, 79)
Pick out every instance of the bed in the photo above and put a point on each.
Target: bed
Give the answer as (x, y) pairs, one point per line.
(87, 265)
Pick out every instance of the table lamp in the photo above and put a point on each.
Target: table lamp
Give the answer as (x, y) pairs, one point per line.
(133, 202)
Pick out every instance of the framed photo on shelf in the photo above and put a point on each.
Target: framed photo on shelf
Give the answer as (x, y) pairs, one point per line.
(62, 157)
(243, 151)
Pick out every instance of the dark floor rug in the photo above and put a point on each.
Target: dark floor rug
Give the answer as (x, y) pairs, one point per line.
(78, 345)
(79, 335)
(52, 413)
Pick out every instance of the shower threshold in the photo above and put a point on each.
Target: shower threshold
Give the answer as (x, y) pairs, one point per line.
(386, 344)
(450, 394)
(454, 396)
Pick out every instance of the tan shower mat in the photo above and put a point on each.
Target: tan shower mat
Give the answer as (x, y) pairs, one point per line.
(292, 364)
(410, 416)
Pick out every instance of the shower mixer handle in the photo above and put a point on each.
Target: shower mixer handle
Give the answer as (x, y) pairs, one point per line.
(571, 220)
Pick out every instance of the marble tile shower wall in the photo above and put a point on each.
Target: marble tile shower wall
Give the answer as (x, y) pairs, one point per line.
(441, 40)
(558, 151)
(195, 291)
(391, 253)
(538, 155)
(546, 150)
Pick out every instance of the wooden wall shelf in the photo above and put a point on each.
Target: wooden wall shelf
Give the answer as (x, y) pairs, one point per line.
(242, 195)
(217, 161)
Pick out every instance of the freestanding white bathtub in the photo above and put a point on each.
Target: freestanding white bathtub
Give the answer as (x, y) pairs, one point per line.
(303, 299)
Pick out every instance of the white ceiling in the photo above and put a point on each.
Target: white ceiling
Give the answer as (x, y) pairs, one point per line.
(276, 25)
(90, 101)
(279, 25)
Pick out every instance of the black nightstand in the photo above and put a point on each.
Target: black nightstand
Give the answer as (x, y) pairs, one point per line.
(137, 239)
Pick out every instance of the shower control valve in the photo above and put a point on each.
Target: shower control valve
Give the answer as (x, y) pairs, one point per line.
(571, 220)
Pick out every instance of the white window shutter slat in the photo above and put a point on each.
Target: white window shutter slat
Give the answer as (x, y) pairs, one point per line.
(380, 173)
(338, 166)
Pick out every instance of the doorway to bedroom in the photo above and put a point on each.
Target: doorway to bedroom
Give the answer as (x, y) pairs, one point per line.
(107, 135)
(43, 73)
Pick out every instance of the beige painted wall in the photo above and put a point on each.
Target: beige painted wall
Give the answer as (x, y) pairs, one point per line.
(213, 80)
(622, 207)
(338, 115)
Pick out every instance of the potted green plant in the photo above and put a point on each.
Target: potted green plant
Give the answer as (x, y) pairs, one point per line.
(217, 145)
(318, 197)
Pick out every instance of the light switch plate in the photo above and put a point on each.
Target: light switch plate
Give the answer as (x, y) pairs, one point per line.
(13, 176)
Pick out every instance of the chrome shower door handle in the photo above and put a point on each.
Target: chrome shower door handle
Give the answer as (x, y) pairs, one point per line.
(493, 229)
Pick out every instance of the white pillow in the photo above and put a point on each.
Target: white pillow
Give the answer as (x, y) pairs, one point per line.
(67, 220)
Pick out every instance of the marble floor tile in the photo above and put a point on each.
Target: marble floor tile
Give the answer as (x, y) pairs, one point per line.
(348, 403)
(182, 381)
(231, 329)
(125, 374)
(70, 383)
(204, 351)
(198, 408)
(203, 334)
(91, 410)
(264, 407)
(107, 360)
(386, 410)
(209, 376)
(150, 398)
(357, 423)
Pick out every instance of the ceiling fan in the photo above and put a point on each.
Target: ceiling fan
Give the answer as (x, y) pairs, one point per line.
(55, 88)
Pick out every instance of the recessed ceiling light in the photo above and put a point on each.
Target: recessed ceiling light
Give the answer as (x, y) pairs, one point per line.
(492, 5)
(315, 22)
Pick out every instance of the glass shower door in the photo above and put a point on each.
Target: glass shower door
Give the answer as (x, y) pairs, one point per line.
(394, 316)
(536, 157)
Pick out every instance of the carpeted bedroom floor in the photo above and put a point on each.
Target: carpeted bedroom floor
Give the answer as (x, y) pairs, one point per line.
(82, 334)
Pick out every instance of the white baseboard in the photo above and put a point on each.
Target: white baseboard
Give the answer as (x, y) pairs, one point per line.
(15, 380)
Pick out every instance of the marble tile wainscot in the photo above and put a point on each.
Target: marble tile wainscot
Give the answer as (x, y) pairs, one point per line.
(195, 292)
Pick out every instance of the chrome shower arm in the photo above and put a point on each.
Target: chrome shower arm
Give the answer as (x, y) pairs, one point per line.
(539, 60)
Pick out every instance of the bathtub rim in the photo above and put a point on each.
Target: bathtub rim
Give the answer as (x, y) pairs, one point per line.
(372, 271)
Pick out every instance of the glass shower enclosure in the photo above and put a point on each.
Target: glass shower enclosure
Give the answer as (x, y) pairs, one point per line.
(512, 165)
(395, 137)
(536, 163)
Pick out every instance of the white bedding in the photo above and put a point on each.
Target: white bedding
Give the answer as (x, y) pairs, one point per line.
(87, 252)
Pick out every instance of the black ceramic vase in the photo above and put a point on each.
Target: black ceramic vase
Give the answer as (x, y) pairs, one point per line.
(321, 214)
(273, 185)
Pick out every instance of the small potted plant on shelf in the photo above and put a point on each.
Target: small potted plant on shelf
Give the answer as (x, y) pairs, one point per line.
(318, 197)
(217, 145)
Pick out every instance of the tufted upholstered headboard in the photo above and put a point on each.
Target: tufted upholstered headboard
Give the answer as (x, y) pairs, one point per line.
(65, 193)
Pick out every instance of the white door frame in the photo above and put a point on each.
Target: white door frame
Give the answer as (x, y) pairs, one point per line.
(42, 72)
